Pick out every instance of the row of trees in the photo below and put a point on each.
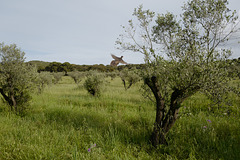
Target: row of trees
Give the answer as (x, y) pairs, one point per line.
(234, 65)
(67, 67)
(19, 79)
(94, 80)
(52, 67)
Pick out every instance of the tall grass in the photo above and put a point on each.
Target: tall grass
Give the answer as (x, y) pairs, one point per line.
(65, 122)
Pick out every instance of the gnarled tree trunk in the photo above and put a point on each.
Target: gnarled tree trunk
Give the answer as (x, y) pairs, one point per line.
(164, 121)
(10, 100)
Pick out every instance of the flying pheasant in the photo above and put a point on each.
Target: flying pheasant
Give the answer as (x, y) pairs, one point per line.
(117, 60)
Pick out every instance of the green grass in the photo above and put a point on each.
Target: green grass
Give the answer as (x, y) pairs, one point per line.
(65, 121)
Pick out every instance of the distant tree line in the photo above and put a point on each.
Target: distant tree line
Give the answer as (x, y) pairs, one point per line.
(234, 67)
(67, 67)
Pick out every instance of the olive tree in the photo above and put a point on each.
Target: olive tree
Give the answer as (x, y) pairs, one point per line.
(66, 67)
(112, 74)
(44, 79)
(94, 83)
(16, 77)
(77, 76)
(129, 77)
(57, 76)
(183, 55)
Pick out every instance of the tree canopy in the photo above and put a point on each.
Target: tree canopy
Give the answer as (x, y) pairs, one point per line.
(16, 77)
(183, 55)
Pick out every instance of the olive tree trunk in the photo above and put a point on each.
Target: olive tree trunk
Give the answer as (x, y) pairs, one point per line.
(164, 121)
(10, 100)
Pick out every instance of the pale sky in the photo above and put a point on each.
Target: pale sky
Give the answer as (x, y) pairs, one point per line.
(77, 31)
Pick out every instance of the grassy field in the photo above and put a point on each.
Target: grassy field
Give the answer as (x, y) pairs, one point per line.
(65, 122)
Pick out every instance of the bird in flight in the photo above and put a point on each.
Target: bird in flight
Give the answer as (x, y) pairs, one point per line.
(117, 60)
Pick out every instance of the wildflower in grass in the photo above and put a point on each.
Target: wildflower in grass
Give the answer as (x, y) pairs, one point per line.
(92, 146)
(204, 127)
(209, 121)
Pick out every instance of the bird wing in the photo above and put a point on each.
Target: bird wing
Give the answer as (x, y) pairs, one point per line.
(123, 62)
(115, 57)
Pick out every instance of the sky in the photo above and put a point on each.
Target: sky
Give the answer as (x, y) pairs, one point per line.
(77, 31)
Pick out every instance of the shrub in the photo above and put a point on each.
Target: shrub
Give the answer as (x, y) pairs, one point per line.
(44, 79)
(113, 74)
(57, 77)
(129, 77)
(77, 76)
(94, 83)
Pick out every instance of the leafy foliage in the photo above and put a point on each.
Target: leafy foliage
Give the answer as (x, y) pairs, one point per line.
(66, 67)
(234, 68)
(44, 79)
(113, 74)
(40, 65)
(16, 78)
(57, 77)
(77, 76)
(94, 83)
(129, 77)
(54, 67)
